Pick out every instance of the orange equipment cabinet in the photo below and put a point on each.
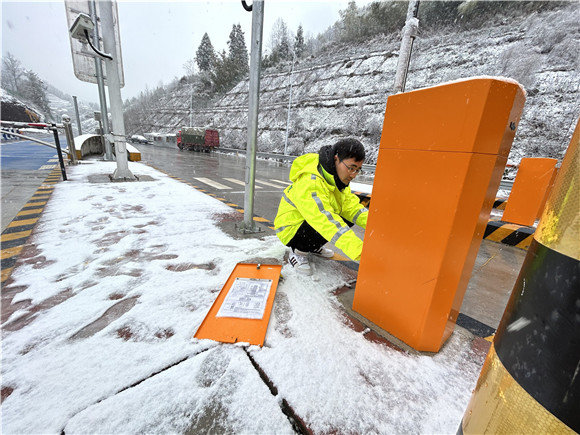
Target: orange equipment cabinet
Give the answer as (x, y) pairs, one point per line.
(530, 190)
(442, 154)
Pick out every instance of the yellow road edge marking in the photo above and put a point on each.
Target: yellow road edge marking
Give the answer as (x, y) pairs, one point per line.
(339, 257)
(6, 273)
(22, 223)
(31, 211)
(15, 236)
(11, 252)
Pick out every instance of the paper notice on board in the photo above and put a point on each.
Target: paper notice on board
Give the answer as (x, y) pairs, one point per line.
(246, 299)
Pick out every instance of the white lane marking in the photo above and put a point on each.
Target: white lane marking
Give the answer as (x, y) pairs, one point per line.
(241, 192)
(212, 183)
(286, 183)
(47, 167)
(265, 183)
(241, 183)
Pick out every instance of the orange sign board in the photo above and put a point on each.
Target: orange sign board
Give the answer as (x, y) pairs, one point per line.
(241, 311)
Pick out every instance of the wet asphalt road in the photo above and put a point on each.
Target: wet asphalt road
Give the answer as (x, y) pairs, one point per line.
(223, 175)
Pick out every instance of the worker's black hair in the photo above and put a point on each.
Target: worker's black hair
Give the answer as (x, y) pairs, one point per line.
(347, 148)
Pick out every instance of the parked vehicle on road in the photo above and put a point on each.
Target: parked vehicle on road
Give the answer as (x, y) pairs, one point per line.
(137, 138)
(197, 139)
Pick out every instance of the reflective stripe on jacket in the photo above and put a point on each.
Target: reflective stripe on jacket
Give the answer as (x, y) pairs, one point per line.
(314, 197)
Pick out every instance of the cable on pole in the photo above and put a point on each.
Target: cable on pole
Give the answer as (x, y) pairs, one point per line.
(246, 7)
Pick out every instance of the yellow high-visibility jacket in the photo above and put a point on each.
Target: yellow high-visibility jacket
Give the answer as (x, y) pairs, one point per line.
(314, 197)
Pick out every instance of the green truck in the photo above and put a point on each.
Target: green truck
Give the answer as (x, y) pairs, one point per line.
(197, 139)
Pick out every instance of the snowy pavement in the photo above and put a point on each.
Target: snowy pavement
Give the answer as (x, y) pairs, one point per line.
(112, 287)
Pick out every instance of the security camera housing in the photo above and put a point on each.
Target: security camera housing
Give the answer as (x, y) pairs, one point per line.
(82, 22)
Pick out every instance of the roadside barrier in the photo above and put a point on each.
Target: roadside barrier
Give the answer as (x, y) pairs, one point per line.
(529, 382)
(433, 185)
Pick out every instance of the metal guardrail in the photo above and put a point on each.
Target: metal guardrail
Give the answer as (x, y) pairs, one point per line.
(504, 184)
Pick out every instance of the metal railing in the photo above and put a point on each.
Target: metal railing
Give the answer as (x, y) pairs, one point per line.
(7, 128)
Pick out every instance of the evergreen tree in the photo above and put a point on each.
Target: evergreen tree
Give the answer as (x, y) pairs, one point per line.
(351, 23)
(238, 53)
(299, 42)
(224, 74)
(205, 54)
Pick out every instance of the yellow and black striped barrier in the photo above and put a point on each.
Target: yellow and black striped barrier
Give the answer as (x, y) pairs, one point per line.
(509, 234)
(500, 203)
(530, 381)
(16, 234)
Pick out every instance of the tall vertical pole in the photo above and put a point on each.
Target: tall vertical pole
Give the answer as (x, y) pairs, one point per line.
(409, 33)
(191, 111)
(79, 128)
(255, 60)
(114, 85)
(289, 103)
(101, 84)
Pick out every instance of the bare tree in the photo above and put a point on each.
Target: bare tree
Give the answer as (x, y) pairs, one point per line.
(12, 72)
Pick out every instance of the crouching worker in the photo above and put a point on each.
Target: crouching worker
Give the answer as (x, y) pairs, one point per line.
(318, 206)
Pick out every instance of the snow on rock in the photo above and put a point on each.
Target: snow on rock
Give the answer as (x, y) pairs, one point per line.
(343, 91)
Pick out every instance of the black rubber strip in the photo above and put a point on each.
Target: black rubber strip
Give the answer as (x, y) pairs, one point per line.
(474, 326)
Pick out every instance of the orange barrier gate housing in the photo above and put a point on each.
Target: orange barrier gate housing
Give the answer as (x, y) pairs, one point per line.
(442, 154)
(530, 191)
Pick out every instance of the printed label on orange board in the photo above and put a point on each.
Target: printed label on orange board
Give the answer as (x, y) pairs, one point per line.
(237, 329)
(246, 299)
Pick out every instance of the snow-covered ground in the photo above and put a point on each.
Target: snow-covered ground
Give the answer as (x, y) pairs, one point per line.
(113, 285)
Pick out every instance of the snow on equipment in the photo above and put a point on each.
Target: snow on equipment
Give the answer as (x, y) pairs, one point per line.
(197, 139)
(241, 312)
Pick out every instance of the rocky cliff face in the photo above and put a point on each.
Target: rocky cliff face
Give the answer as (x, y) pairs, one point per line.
(343, 92)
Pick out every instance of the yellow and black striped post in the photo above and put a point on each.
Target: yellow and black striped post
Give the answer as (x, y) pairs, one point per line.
(530, 381)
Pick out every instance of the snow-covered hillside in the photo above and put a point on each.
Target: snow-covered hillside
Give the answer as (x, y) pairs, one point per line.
(60, 107)
(344, 90)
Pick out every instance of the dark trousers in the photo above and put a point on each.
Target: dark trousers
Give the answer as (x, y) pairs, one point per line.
(307, 239)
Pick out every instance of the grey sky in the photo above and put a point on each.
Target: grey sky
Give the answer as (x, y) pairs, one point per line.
(157, 38)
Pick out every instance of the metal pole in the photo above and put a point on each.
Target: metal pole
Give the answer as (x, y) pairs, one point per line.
(114, 86)
(79, 128)
(253, 107)
(70, 139)
(191, 111)
(101, 85)
(409, 33)
(59, 152)
(289, 103)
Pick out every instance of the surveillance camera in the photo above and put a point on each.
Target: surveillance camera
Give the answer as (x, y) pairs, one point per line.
(81, 24)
